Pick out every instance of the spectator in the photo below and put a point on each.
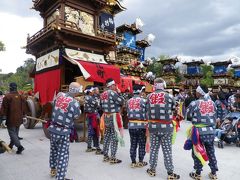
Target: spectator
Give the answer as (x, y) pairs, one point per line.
(14, 108)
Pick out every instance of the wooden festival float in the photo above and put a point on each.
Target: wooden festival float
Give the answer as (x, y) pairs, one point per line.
(221, 76)
(73, 45)
(193, 74)
(236, 76)
(170, 72)
(130, 57)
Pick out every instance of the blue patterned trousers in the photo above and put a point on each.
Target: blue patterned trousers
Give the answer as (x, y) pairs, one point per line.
(164, 139)
(110, 137)
(207, 141)
(59, 154)
(137, 140)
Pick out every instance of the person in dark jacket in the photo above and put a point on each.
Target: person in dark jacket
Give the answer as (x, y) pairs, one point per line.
(14, 107)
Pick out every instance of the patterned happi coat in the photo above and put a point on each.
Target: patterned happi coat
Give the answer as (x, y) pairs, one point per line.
(203, 111)
(111, 102)
(136, 110)
(65, 110)
(160, 106)
(91, 104)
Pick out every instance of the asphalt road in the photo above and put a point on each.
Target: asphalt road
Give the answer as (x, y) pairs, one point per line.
(33, 163)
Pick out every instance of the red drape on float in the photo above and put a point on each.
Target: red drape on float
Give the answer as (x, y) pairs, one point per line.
(47, 84)
(101, 72)
(125, 84)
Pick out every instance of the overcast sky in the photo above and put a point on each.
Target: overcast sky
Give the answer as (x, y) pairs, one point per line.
(208, 29)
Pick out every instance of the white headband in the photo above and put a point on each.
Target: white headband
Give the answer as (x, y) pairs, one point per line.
(200, 91)
(139, 90)
(161, 85)
(89, 90)
(75, 90)
(110, 83)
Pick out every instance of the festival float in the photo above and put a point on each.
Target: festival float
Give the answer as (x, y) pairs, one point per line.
(236, 75)
(221, 77)
(170, 72)
(193, 74)
(78, 43)
(72, 46)
(130, 56)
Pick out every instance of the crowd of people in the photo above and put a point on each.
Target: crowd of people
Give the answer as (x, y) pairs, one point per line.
(152, 121)
(150, 124)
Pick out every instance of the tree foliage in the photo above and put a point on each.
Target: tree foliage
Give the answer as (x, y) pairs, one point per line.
(207, 71)
(2, 46)
(156, 67)
(21, 77)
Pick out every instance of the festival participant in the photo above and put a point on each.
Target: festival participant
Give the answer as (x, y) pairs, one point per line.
(91, 109)
(65, 110)
(111, 103)
(236, 104)
(14, 107)
(180, 98)
(99, 110)
(221, 105)
(202, 114)
(160, 107)
(136, 112)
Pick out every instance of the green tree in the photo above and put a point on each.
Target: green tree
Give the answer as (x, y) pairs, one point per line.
(207, 71)
(156, 67)
(21, 77)
(2, 46)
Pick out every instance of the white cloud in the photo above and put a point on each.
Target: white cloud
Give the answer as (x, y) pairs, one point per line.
(13, 33)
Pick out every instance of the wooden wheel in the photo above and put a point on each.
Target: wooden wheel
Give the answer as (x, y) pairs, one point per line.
(46, 115)
(35, 111)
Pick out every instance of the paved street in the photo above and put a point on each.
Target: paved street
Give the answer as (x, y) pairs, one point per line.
(33, 164)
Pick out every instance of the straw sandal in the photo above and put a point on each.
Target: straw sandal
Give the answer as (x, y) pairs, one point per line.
(115, 161)
(195, 176)
(151, 172)
(134, 165)
(212, 176)
(53, 172)
(173, 176)
(142, 164)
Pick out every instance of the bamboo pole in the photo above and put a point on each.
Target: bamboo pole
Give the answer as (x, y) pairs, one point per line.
(36, 119)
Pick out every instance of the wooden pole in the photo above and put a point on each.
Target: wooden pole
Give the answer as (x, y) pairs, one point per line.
(36, 119)
(83, 138)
